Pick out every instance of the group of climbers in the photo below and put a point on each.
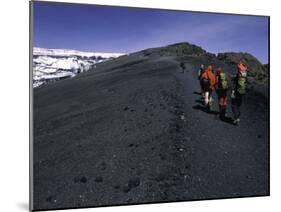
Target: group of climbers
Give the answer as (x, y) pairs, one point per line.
(219, 82)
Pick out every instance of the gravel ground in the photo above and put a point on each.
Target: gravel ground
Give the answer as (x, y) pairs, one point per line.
(134, 131)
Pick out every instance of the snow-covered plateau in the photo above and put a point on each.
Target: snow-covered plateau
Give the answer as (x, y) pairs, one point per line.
(50, 65)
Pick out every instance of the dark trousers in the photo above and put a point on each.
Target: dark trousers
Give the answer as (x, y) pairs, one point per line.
(236, 105)
(222, 100)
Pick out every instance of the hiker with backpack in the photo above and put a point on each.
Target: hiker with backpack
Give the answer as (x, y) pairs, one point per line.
(239, 90)
(208, 80)
(200, 72)
(182, 65)
(221, 89)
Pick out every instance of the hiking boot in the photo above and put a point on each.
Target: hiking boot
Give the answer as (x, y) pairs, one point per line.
(236, 121)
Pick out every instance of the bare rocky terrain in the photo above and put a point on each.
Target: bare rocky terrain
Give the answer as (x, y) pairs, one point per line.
(133, 130)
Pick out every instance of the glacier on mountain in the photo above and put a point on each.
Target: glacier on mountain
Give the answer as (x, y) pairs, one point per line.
(50, 65)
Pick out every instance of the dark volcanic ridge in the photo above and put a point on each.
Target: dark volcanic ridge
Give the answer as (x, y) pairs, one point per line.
(258, 72)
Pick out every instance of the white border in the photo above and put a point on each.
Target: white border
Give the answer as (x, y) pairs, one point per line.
(14, 106)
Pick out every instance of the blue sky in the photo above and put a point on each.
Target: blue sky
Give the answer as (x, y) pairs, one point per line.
(117, 29)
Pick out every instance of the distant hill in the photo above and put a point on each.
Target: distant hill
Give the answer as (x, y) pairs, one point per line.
(194, 55)
(178, 49)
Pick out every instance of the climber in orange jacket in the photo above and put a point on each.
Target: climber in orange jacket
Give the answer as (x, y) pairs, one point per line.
(208, 80)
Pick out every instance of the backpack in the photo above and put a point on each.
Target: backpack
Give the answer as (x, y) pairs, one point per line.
(241, 85)
(222, 84)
